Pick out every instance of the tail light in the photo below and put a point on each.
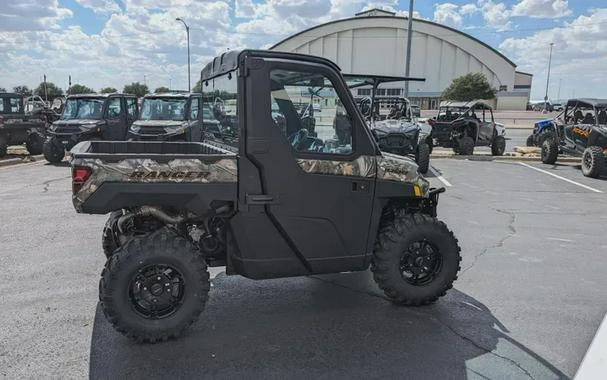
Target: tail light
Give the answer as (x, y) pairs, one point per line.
(431, 122)
(79, 176)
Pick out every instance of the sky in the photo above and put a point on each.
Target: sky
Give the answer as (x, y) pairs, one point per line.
(104, 43)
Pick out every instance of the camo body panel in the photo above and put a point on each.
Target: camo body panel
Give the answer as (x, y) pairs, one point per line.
(392, 167)
(150, 171)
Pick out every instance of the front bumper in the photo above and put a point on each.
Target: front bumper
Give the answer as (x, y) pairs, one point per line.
(156, 136)
(398, 143)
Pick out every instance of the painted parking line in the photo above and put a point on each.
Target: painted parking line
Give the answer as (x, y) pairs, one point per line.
(20, 165)
(561, 178)
(594, 364)
(440, 177)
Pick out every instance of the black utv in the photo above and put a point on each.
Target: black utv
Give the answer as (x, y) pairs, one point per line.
(581, 130)
(270, 201)
(465, 125)
(20, 126)
(90, 117)
(168, 117)
(391, 120)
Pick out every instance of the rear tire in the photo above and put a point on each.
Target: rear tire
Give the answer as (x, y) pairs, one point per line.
(530, 141)
(422, 157)
(593, 161)
(3, 146)
(416, 259)
(109, 238)
(465, 146)
(53, 151)
(161, 266)
(34, 143)
(550, 149)
(499, 146)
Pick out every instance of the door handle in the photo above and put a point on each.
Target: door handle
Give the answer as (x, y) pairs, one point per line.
(360, 186)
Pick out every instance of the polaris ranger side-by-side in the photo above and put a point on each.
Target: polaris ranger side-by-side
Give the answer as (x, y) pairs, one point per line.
(464, 125)
(581, 130)
(272, 200)
(90, 117)
(20, 126)
(168, 117)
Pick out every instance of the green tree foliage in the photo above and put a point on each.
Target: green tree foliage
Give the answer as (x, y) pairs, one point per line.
(80, 89)
(108, 90)
(52, 90)
(469, 87)
(161, 89)
(136, 88)
(2, 89)
(23, 90)
(197, 87)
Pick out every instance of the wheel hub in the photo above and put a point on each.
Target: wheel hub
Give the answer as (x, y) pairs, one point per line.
(156, 291)
(420, 263)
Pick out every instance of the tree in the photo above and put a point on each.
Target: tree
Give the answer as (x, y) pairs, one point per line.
(80, 89)
(2, 89)
(52, 90)
(161, 89)
(469, 87)
(23, 90)
(197, 87)
(108, 90)
(136, 88)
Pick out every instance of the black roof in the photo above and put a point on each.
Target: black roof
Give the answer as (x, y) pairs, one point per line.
(593, 102)
(370, 79)
(463, 104)
(230, 60)
(95, 95)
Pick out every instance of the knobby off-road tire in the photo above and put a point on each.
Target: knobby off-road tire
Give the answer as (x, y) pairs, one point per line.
(530, 141)
(593, 161)
(498, 147)
(550, 149)
(34, 144)
(161, 266)
(53, 151)
(109, 238)
(465, 146)
(3, 146)
(422, 157)
(407, 245)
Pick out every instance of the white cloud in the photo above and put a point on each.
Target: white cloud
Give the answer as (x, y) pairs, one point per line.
(244, 8)
(580, 50)
(495, 15)
(100, 6)
(448, 14)
(542, 8)
(31, 14)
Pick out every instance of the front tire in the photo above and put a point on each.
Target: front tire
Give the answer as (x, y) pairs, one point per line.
(530, 141)
(34, 144)
(154, 287)
(416, 259)
(593, 161)
(550, 149)
(422, 157)
(465, 146)
(53, 151)
(499, 146)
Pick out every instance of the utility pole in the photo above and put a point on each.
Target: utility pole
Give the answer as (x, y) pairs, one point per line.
(408, 58)
(548, 78)
(187, 31)
(45, 90)
(69, 84)
(558, 94)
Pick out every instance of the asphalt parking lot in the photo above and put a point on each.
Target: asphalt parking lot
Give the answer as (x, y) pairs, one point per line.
(527, 303)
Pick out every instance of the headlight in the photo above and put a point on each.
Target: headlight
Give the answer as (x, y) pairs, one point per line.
(174, 130)
(135, 128)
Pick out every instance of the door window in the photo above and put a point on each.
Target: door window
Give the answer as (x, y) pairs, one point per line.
(114, 108)
(310, 113)
(194, 106)
(219, 96)
(131, 108)
(15, 105)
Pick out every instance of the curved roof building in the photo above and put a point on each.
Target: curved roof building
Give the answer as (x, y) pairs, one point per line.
(374, 42)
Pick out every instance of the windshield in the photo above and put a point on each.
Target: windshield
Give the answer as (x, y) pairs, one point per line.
(163, 109)
(83, 108)
(451, 113)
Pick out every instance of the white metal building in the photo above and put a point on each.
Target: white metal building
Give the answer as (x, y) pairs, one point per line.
(374, 42)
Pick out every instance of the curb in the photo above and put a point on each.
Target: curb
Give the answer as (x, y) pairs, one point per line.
(21, 160)
(500, 158)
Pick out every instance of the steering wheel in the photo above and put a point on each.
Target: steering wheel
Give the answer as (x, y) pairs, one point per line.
(218, 108)
(298, 138)
(365, 106)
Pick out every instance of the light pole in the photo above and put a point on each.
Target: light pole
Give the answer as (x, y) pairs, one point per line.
(187, 31)
(408, 59)
(548, 78)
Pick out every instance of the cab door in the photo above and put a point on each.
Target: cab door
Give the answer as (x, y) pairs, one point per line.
(487, 124)
(115, 116)
(318, 181)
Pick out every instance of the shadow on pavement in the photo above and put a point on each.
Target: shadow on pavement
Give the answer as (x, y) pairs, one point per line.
(332, 326)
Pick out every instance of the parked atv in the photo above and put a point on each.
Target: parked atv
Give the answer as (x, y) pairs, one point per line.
(540, 131)
(20, 127)
(90, 117)
(582, 132)
(278, 203)
(465, 125)
(392, 122)
(168, 117)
